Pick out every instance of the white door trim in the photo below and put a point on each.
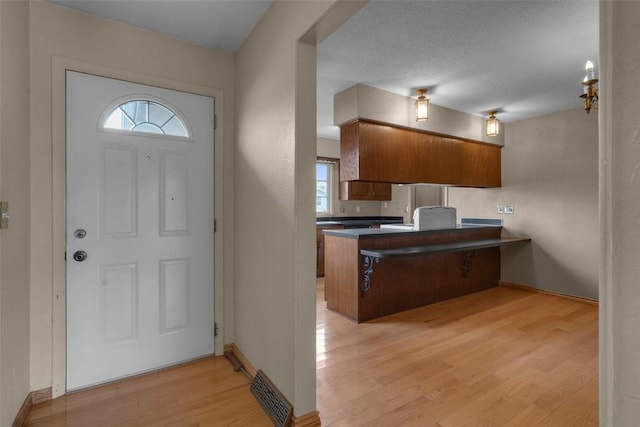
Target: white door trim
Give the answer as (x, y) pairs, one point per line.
(58, 130)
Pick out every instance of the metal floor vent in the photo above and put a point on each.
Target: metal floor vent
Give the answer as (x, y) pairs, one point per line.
(273, 402)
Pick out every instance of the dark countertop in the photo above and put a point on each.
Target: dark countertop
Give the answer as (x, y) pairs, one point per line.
(442, 247)
(328, 221)
(363, 233)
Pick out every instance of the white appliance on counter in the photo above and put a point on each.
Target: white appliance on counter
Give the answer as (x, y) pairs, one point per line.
(402, 227)
(428, 218)
(434, 218)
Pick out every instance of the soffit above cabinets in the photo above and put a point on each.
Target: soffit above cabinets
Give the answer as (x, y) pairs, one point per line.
(367, 102)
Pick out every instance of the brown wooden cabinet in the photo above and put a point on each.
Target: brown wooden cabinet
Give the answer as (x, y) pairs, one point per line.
(360, 190)
(320, 248)
(319, 253)
(377, 152)
(362, 287)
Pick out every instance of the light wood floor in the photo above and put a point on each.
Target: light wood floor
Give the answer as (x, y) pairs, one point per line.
(203, 393)
(503, 357)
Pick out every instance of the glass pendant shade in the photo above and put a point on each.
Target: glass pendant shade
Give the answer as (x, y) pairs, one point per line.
(590, 87)
(493, 125)
(422, 106)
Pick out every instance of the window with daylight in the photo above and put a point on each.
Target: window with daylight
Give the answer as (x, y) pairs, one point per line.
(325, 172)
(146, 116)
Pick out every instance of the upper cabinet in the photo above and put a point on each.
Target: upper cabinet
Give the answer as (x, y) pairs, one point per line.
(358, 190)
(376, 152)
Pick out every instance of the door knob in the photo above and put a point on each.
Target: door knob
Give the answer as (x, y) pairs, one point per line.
(79, 256)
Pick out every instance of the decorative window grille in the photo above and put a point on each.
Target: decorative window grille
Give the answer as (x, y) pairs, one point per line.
(146, 116)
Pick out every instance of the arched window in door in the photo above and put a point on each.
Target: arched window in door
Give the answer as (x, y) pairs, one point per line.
(145, 116)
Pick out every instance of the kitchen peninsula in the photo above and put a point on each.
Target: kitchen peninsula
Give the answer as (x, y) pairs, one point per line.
(345, 222)
(371, 273)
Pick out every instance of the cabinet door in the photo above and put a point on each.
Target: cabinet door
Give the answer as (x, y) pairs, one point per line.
(319, 253)
(361, 190)
(355, 190)
(375, 152)
(381, 191)
(320, 247)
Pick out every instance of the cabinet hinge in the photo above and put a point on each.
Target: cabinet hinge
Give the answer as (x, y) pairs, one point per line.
(215, 329)
(215, 121)
(215, 225)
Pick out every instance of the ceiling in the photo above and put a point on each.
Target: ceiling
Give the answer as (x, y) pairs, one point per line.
(217, 24)
(524, 58)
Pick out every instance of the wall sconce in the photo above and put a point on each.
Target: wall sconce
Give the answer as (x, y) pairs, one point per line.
(493, 124)
(590, 92)
(422, 106)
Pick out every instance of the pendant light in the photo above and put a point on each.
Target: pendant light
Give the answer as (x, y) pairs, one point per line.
(422, 106)
(493, 124)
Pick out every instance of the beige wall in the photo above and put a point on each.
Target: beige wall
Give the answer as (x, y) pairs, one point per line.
(14, 188)
(269, 168)
(275, 194)
(62, 38)
(401, 203)
(550, 176)
(354, 207)
(428, 196)
(328, 148)
(619, 207)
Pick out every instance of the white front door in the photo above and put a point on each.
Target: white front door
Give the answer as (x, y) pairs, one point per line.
(139, 228)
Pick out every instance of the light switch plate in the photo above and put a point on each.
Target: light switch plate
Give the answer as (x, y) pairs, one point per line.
(508, 209)
(499, 209)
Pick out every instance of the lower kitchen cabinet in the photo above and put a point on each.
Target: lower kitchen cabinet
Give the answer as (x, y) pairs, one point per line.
(320, 248)
(370, 275)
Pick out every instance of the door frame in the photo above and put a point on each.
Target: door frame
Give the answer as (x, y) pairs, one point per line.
(59, 67)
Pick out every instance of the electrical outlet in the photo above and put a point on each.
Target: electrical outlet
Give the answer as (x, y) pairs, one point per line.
(357, 209)
(500, 209)
(508, 209)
